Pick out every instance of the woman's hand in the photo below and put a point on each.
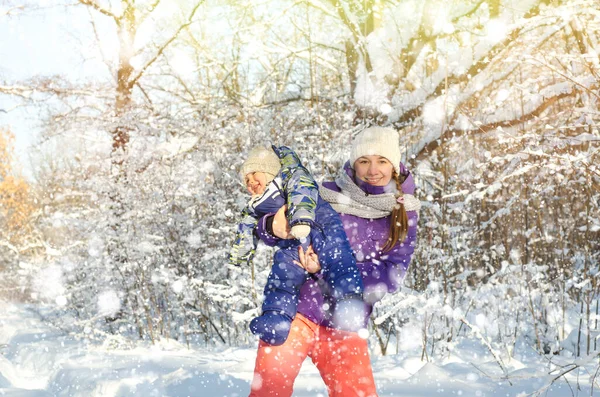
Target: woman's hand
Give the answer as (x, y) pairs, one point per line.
(309, 260)
(281, 226)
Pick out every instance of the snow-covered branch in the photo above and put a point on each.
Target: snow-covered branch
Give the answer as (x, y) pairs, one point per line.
(479, 128)
(102, 10)
(487, 344)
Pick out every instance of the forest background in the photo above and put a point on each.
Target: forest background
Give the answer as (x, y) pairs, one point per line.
(124, 224)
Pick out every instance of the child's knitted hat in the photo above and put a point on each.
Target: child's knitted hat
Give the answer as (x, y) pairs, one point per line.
(261, 159)
(378, 141)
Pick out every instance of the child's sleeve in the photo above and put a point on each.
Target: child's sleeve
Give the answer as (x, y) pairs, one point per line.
(300, 188)
(244, 245)
(264, 230)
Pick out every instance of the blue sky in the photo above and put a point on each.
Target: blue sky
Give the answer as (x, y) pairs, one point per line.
(47, 42)
(57, 40)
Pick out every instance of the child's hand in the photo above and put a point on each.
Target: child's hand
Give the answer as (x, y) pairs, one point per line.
(309, 260)
(300, 231)
(281, 227)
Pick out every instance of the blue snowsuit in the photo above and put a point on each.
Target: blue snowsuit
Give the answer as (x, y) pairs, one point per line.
(295, 186)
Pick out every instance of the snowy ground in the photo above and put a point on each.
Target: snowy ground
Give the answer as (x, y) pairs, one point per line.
(38, 360)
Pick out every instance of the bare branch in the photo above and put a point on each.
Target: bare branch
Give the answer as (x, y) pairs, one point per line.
(563, 372)
(145, 95)
(160, 51)
(16, 90)
(149, 11)
(9, 246)
(581, 39)
(470, 12)
(50, 86)
(99, 8)
(319, 7)
(491, 350)
(97, 36)
(571, 79)
(171, 92)
(357, 35)
(14, 11)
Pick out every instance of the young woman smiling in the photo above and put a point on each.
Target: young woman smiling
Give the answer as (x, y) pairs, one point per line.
(373, 193)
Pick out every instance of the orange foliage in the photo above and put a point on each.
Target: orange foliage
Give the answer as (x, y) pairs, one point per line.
(15, 204)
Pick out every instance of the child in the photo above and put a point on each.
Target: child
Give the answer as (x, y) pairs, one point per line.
(275, 177)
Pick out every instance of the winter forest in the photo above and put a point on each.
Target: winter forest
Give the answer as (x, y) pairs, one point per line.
(113, 251)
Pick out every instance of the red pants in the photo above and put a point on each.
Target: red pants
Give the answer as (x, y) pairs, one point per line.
(341, 357)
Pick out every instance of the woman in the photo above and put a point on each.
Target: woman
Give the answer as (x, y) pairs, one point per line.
(374, 195)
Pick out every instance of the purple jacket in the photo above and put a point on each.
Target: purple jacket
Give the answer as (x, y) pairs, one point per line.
(382, 272)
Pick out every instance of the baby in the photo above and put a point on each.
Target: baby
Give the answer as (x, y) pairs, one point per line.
(275, 177)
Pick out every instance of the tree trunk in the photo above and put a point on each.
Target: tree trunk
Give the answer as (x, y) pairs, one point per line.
(126, 31)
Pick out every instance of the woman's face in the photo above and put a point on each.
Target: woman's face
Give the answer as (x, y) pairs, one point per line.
(256, 183)
(375, 170)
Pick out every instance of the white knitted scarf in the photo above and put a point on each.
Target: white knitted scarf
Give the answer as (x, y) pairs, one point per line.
(354, 201)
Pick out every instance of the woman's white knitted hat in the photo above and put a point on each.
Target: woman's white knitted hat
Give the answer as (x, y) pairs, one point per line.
(261, 159)
(377, 141)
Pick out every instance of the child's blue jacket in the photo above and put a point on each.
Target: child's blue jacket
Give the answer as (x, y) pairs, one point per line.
(298, 190)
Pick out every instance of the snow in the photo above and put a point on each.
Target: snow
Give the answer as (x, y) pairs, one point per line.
(109, 303)
(496, 30)
(490, 275)
(48, 285)
(39, 360)
(177, 145)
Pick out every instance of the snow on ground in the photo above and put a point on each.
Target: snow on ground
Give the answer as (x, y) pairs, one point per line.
(37, 360)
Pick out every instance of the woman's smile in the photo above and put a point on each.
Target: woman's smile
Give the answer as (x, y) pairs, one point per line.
(373, 169)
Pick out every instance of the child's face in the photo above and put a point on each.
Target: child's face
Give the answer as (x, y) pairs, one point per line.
(256, 183)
